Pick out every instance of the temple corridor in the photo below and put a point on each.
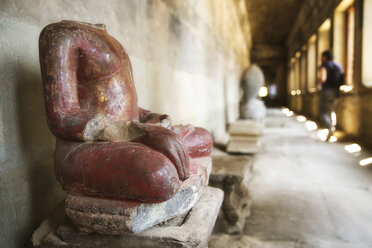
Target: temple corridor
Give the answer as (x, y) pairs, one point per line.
(306, 192)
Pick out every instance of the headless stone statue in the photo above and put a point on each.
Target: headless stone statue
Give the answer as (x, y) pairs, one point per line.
(108, 148)
(251, 107)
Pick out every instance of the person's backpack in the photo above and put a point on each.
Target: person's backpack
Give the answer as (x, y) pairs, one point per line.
(336, 77)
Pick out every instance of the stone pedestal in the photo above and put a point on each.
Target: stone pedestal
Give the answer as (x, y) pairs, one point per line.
(232, 175)
(246, 127)
(192, 229)
(118, 217)
(244, 145)
(244, 136)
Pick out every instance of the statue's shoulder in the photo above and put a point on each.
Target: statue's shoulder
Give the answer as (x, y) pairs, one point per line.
(99, 54)
(70, 29)
(59, 28)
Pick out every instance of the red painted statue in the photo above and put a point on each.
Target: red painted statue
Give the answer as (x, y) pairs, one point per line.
(107, 146)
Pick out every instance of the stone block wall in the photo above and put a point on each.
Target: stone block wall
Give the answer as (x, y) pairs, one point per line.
(187, 57)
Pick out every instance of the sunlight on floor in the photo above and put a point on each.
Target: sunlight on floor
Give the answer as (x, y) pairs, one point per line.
(353, 148)
(365, 162)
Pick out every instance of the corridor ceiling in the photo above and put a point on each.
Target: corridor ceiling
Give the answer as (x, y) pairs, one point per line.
(272, 20)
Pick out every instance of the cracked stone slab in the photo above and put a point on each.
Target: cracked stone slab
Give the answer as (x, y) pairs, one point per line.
(194, 231)
(118, 217)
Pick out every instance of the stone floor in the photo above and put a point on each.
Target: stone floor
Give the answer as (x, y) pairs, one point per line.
(305, 192)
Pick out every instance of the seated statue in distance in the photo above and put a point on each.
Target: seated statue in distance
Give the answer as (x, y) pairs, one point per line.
(107, 146)
(251, 107)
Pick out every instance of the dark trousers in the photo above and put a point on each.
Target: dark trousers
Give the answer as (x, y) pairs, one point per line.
(327, 105)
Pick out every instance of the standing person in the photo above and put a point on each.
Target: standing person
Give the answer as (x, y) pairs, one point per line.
(331, 78)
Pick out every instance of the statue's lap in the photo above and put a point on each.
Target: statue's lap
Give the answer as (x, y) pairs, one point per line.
(123, 170)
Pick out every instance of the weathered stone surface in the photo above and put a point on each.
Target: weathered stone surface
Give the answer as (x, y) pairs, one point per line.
(246, 128)
(121, 131)
(240, 241)
(244, 136)
(232, 174)
(244, 145)
(194, 231)
(224, 240)
(118, 217)
(57, 218)
(244, 139)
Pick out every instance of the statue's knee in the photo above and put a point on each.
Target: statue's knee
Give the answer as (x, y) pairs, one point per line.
(199, 143)
(119, 171)
(158, 177)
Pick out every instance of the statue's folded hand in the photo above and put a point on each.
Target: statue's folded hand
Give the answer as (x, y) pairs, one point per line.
(159, 119)
(148, 117)
(168, 143)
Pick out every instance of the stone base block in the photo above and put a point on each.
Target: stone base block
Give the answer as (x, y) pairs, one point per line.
(118, 217)
(244, 145)
(246, 128)
(193, 231)
(244, 136)
(232, 174)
